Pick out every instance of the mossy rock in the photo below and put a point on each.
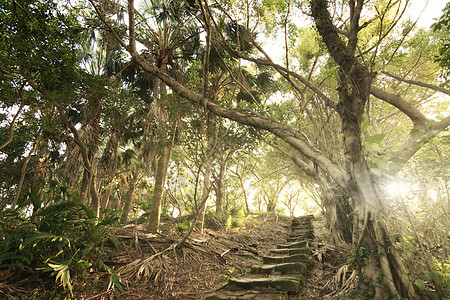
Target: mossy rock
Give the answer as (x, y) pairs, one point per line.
(247, 295)
(289, 251)
(287, 284)
(300, 244)
(283, 268)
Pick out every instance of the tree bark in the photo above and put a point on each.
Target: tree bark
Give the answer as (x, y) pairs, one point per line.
(220, 183)
(38, 181)
(109, 167)
(380, 268)
(379, 261)
(129, 194)
(206, 189)
(160, 179)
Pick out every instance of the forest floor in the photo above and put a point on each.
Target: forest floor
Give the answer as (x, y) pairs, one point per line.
(150, 266)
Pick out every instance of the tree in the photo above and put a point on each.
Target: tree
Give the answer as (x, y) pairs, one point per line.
(374, 251)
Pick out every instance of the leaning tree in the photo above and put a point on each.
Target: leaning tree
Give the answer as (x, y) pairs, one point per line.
(380, 266)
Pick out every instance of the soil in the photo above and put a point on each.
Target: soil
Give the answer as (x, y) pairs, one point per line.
(151, 267)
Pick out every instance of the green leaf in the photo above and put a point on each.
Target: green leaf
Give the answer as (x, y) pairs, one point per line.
(373, 148)
(376, 172)
(364, 126)
(420, 284)
(375, 139)
(63, 274)
(83, 264)
(116, 281)
(383, 164)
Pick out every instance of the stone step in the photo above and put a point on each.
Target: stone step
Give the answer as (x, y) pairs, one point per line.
(300, 244)
(301, 231)
(303, 218)
(284, 259)
(301, 228)
(283, 268)
(289, 251)
(301, 225)
(287, 284)
(297, 222)
(300, 237)
(301, 234)
(292, 240)
(248, 295)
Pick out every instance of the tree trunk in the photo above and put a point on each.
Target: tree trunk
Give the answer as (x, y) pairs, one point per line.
(206, 190)
(128, 199)
(380, 268)
(109, 164)
(84, 187)
(329, 203)
(220, 183)
(39, 177)
(160, 179)
(23, 172)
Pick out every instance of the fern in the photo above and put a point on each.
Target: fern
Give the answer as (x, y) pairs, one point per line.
(67, 234)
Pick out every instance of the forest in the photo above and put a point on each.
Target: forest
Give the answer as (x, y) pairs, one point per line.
(124, 124)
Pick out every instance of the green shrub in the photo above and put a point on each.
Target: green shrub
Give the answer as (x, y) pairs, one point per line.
(62, 242)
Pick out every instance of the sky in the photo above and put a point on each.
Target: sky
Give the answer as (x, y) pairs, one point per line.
(433, 10)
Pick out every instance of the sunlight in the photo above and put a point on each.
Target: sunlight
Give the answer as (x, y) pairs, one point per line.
(396, 188)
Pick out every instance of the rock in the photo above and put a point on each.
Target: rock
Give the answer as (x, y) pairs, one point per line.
(282, 268)
(248, 294)
(292, 245)
(289, 251)
(284, 259)
(287, 284)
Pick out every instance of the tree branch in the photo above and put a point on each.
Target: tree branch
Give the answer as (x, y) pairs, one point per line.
(328, 31)
(131, 27)
(367, 23)
(11, 126)
(418, 83)
(354, 25)
(102, 18)
(399, 102)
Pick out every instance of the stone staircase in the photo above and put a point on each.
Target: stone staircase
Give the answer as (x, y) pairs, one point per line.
(282, 270)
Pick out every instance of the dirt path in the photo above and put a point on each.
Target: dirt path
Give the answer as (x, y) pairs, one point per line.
(151, 268)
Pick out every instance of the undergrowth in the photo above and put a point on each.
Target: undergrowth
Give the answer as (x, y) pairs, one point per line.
(68, 239)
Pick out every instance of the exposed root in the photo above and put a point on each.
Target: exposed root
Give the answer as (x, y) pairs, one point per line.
(144, 268)
(8, 291)
(342, 283)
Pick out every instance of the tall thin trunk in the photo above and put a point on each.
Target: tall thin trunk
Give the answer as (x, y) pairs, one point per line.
(109, 166)
(84, 188)
(220, 182)
(165, 154)
(160, 179)
(135, 176)
(206, 189)
(23, 172)
(39, 177)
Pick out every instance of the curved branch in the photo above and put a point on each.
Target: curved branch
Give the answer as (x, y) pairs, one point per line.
(399, 102)
(260, 122)
(11, 127)
(418, 83)
(428, 129)
(416, 141)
